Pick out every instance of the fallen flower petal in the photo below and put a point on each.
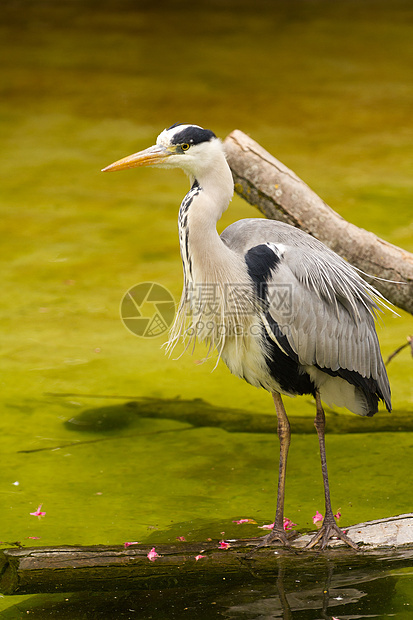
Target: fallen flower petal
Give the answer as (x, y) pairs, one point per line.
(270, 526)
(245, 521)
(317, 517)
(288, 524)
(223, 544)
(38, 512)
(129, 544)
(181, 538)
(152, 555)
(199, 557)
(34, 537)
(338, 515)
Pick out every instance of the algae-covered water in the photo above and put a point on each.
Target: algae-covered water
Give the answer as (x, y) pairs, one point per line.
(117, 441)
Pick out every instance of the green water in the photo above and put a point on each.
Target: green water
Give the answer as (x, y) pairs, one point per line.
(326, 87)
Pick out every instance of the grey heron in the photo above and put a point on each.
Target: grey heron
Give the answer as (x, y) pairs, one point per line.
(281, 309)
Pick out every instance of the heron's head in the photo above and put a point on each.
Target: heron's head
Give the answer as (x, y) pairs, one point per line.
(189, 147)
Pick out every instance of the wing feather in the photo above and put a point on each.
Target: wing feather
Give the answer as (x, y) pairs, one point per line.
(328, 320)
(319, 327)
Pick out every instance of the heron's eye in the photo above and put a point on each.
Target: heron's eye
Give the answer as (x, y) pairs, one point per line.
(184, 147)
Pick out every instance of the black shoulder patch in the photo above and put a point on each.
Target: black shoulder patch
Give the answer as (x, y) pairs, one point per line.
(261, 260)
(261, 263)
(192, 135)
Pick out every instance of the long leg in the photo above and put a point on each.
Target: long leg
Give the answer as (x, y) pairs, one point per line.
(284, 436)
(329, 527)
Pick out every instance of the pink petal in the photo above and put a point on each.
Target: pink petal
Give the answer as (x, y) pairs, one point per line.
(270, 526)
(245, 521)
(38, 512)
(317, 517)
(34, 537)
(181, 538)
(199, 557)
(152, 555)
(129, 544)
(288, 524)
(338, 515)
(223, 544)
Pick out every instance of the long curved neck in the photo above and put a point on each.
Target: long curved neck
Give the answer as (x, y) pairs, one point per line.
(211, 269)
(204, 255)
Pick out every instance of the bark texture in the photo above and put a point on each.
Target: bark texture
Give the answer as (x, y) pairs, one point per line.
(69, 569)
(281, 195)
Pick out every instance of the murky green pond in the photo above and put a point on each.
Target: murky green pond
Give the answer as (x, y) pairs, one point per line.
(115, 440)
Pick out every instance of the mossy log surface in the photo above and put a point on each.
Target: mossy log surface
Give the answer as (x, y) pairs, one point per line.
(68, 569)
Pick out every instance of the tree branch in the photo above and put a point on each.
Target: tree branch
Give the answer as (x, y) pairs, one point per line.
(281, 195)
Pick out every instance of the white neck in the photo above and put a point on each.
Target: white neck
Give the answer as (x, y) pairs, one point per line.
(208, 253)
(209, 265)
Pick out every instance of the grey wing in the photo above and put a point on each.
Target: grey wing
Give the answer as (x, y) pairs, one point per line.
(315, 305)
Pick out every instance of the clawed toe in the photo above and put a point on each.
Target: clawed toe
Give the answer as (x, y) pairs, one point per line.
(269, 539)
(273, 536)
(327, 531)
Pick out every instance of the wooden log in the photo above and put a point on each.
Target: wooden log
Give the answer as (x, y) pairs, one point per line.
(69, 569)
(280, 194)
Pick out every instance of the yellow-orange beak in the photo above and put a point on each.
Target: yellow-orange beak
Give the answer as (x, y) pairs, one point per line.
(152, 156)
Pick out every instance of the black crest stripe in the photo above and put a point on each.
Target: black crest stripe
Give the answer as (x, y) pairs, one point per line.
(193, 135)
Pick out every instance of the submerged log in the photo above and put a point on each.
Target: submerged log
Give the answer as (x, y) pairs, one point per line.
(69, 569)
(280, 194)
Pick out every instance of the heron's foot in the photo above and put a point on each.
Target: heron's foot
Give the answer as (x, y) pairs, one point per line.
(329, 530)
(275, 534)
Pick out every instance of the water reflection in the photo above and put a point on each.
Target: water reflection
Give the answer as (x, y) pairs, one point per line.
(198, 412)
(300, 587)
(328, 590)
(282, 599)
